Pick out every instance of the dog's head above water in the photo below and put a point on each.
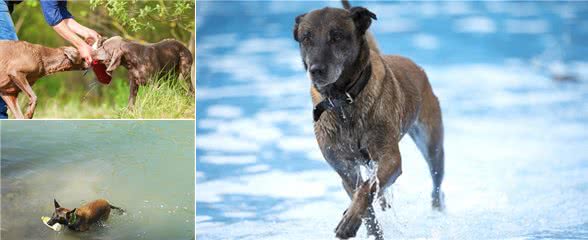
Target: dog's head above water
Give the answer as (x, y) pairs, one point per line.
(61, 215)
(330, 41)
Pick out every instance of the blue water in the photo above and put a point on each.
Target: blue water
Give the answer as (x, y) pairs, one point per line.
(516, 138)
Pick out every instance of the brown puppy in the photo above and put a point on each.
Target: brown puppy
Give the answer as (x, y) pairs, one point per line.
(80, 219)
(144, 61)
(22, 63)
(364, 104)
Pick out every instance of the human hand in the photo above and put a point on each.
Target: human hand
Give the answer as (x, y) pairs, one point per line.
(86, 53)
(91, 36)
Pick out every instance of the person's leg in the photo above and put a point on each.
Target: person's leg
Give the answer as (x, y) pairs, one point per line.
(7, 32)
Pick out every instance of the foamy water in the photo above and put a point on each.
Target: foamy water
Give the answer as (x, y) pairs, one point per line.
(516, 156)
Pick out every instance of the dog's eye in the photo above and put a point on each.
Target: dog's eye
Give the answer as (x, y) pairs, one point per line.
(306, 37)
(336, 37)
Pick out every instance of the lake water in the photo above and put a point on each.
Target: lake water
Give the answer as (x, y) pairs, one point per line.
(145, 167)
(516, 139)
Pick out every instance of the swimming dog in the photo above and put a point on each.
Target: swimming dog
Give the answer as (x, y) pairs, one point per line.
(80, 219)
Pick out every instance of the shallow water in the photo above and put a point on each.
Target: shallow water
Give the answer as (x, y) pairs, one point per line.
(516, 140)
(145, 167)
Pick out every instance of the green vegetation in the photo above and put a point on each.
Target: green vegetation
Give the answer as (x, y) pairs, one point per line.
(161, 100)
(135, 16)
(166, 97)
(71, 95)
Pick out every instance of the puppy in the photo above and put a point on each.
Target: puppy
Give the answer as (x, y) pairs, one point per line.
(144, 61)
(364, 104)
(80, 219)
(23, 63)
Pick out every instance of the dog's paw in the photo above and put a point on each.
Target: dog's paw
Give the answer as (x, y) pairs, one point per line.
(348, 226)
(29, 115)
(438, 202)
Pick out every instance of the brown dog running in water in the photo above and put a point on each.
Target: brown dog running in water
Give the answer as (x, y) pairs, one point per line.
(80, 219)
(23, 63)
(365, 103)
(144, 61)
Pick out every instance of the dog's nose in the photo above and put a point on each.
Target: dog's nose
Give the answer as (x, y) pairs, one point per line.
(317, 69)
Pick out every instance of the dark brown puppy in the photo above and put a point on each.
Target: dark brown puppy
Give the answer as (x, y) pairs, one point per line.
(23, 63)
(80, 219)
(364, 104)
(144, 61)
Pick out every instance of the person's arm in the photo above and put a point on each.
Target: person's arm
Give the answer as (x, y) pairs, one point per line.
(89, 35)
(66, 33)
(58, 17)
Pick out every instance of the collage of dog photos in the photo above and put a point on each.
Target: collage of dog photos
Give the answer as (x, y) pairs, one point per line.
(293, 119)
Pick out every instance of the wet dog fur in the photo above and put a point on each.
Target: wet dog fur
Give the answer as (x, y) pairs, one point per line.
(335, 48)
(82, 218)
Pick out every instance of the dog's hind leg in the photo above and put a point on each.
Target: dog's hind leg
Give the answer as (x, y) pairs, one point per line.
(427, 133)
(20, 80)
(12, 103)
(186, 69)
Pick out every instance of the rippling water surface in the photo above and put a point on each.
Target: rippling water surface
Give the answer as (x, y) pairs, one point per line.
(144, 167)
(516, 139)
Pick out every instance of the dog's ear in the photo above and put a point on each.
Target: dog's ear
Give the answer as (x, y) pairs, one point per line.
(298, 20)
(362, 18)
(56, 203)
(72, 54)
(99, 54)
(100, 41)
(114, 61)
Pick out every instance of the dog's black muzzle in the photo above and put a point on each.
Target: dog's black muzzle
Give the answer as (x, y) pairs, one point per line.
(52, 222)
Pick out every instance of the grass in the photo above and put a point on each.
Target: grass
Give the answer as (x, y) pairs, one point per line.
(82, 97)
(161, 100)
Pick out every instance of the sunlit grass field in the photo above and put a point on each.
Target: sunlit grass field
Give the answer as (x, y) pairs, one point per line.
(166, 97)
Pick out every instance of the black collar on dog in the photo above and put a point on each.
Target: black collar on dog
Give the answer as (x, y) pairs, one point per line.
(337, 101)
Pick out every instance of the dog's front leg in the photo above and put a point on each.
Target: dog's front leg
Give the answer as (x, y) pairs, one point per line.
(134, 89)
(351, 179)
(388, 170)
(371, 223)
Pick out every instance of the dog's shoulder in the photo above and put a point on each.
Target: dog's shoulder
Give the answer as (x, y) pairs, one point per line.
(398, 60)
(404, 64)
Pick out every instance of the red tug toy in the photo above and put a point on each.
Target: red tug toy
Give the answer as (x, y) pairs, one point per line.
(100, 72)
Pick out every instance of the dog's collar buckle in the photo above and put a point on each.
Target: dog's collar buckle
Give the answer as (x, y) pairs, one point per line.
(333, 104)
(349, 99)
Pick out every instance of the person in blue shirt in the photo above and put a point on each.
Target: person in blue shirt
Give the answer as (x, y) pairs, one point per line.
(60, 19)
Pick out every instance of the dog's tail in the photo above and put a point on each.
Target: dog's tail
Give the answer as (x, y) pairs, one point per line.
(119, 211)
(346, 4)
